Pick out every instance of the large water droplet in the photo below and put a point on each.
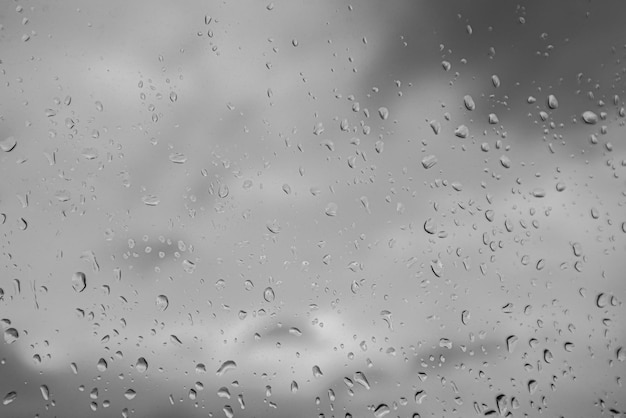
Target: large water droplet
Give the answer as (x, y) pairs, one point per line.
(11, 335)
(102, 365)
(429, 161)
(590, 117)
(381, 410)
(7, 144)
(79, 281)
(269, 295)
(142, 365)
(9, 397)
(553, 103)
(225, 367)
(162, 302)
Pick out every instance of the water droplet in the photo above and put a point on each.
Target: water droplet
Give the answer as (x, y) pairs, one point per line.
(162, 302)
(99, 106)
(446, 65)
(553, 103)
(142, 365)
(547, 356)
(602, 300)
(495, 80)
(461, 131)
(430, 226)
(79, 281)
(226, 367)
(317, 372)
(45, 392)
(468, 101)
(493, 119)
(383, 112)
(361, 379)
(269, 295)
(7, 144)
(505, 161)
(381, 410)
(465, 317)
(130, 394)
(620, 354)
(173, 97)
(532, 386)
(150, 200)
(539, 192)
(178, 158)
(9, 397)
(294, 386)
(102, 365)
(200, 368)
(331, 209)
(223, 191)
(273, 226)
(11, 335)
(590, 118)
(435, 126)
(511, 342)
(429, 161)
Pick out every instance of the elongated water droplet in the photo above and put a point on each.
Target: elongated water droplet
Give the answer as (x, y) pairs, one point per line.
(381, 410)
(383, 112)
(225, 367)
(511, 343)
(468, 101)
(435, 126)
(553, 103)
(150, 200)
(361, 379)
(465, 317)
(9, 397)
(45, 392)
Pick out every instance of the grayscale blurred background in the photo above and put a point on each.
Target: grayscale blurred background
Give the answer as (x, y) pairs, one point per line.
(312, 209)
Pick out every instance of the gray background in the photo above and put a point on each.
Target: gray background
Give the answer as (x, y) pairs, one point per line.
(208, 151)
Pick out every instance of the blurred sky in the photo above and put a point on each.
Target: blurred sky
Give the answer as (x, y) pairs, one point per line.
(263, 165)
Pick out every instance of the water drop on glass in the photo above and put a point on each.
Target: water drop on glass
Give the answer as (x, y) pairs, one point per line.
(461, 131)
(468, 101)
(7, 144)
(225, 367)
(79, 281)
(553, 103)
(162, 302)
(11, 335)
(383, 112)
(9, 397)
(142, 365)
(429, 161)
(101, 365)
(331, 209)
(590, 117)
(269, 295)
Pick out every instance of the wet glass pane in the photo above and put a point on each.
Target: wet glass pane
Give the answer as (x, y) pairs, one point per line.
(312, 209)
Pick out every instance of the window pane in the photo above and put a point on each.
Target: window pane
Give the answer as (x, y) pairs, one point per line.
(296, 208)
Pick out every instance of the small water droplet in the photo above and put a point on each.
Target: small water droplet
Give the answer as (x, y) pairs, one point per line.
(383, 112)
(435, 126)
(130, 394)
(99, 106)
(505, 161)
(465, 317)
(273, 226)
(178, 158)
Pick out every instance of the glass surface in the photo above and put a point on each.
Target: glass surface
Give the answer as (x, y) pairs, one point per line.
(312, 209)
